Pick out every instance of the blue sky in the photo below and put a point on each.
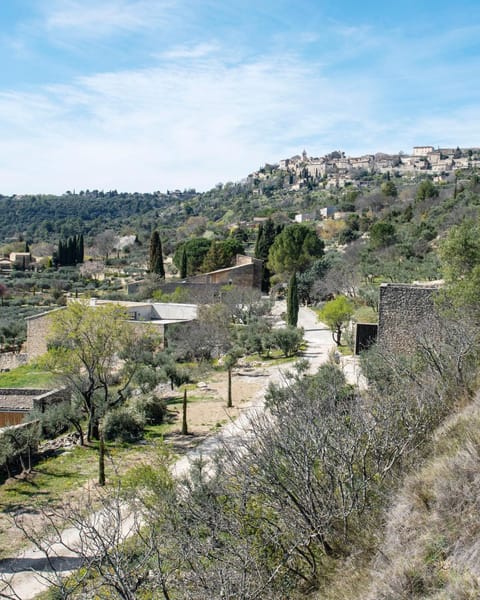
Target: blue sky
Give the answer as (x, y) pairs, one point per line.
(144, 95)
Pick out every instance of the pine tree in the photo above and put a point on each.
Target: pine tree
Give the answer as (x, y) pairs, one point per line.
(215, 258)
(292, 301)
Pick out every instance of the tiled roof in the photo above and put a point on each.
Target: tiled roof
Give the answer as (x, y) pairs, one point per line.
(14, 402)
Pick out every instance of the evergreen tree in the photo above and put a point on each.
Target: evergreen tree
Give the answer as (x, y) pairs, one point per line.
(156, 255)
(80, 249)
(265, 238)
(184, 265)
(259, 241)
(160, 262)
(292, 301)
(215, 258)
(71, 251)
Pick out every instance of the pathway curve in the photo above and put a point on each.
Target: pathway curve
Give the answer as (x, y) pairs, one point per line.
(27, 572)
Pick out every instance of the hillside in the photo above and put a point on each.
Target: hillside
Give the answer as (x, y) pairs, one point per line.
(299, 510)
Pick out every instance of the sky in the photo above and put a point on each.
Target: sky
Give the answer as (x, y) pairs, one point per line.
(147, 95)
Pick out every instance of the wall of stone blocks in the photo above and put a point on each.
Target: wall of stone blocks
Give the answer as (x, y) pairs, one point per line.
(38, 329)
(12, 360)
(404, 311)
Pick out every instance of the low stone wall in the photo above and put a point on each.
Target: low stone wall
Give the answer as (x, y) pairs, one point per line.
(12, 360)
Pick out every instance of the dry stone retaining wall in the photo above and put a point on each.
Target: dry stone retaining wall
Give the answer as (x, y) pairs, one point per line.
(404, 310)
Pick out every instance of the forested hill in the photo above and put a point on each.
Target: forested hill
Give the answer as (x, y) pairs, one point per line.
(383, 195)
(39, 217)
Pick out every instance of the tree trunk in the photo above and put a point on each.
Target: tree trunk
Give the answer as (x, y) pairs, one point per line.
(93, 428)
(229, 396)
(101, 461)
(184, 414)
(337, 336)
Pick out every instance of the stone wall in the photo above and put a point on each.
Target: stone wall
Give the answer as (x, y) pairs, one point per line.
(38, 329)
(404, 310)
(12, 360)
(247, 272)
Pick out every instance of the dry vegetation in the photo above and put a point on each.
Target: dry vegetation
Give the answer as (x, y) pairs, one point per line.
(432, 542)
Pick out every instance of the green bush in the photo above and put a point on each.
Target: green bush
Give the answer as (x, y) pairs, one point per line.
(151, 408)
(123, 425)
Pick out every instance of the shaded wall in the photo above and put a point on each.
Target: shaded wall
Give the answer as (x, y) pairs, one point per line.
(403, 311)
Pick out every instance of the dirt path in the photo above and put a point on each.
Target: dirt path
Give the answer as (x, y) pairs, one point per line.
(26, 571)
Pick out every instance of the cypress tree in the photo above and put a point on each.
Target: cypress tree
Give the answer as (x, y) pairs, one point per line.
(156, 255)
(184, 265)
(61, 253)
(161, 268)
(292, 301)
(80, 250)
(71, 251)
(259, 241)
(265, 238)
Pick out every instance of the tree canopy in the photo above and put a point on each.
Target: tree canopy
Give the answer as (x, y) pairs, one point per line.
(86, 344)
(460, 256)
(294, 249)
(336, 314)
(195, 249)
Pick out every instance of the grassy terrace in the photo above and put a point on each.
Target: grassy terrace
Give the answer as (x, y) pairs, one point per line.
(27, 376)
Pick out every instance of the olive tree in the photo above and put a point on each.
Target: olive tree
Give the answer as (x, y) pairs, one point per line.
(96, 352)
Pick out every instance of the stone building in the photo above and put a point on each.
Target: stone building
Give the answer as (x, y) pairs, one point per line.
(16, 403)
(247, 272)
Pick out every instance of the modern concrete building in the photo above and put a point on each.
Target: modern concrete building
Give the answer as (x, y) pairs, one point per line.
(158, 314)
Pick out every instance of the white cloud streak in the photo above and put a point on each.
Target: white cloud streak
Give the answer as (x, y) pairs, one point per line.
(90, 18)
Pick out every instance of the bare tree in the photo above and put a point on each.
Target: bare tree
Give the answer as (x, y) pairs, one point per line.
(104, 243)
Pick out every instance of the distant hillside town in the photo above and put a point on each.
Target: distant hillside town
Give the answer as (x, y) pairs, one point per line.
(336, 170)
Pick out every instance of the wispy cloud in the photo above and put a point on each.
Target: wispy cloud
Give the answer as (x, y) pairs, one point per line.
(196, 51)
(90, 18)
(186, 124)
(209, 107)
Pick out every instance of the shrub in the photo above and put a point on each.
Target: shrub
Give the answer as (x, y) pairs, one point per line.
(288, 339)
(123, 425)
(151, 408)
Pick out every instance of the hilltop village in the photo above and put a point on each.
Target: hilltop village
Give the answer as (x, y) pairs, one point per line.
(335, 170)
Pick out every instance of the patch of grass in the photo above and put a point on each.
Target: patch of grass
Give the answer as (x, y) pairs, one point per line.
(50, 479)
(57, 478)
(365, 314)
(27, 376)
